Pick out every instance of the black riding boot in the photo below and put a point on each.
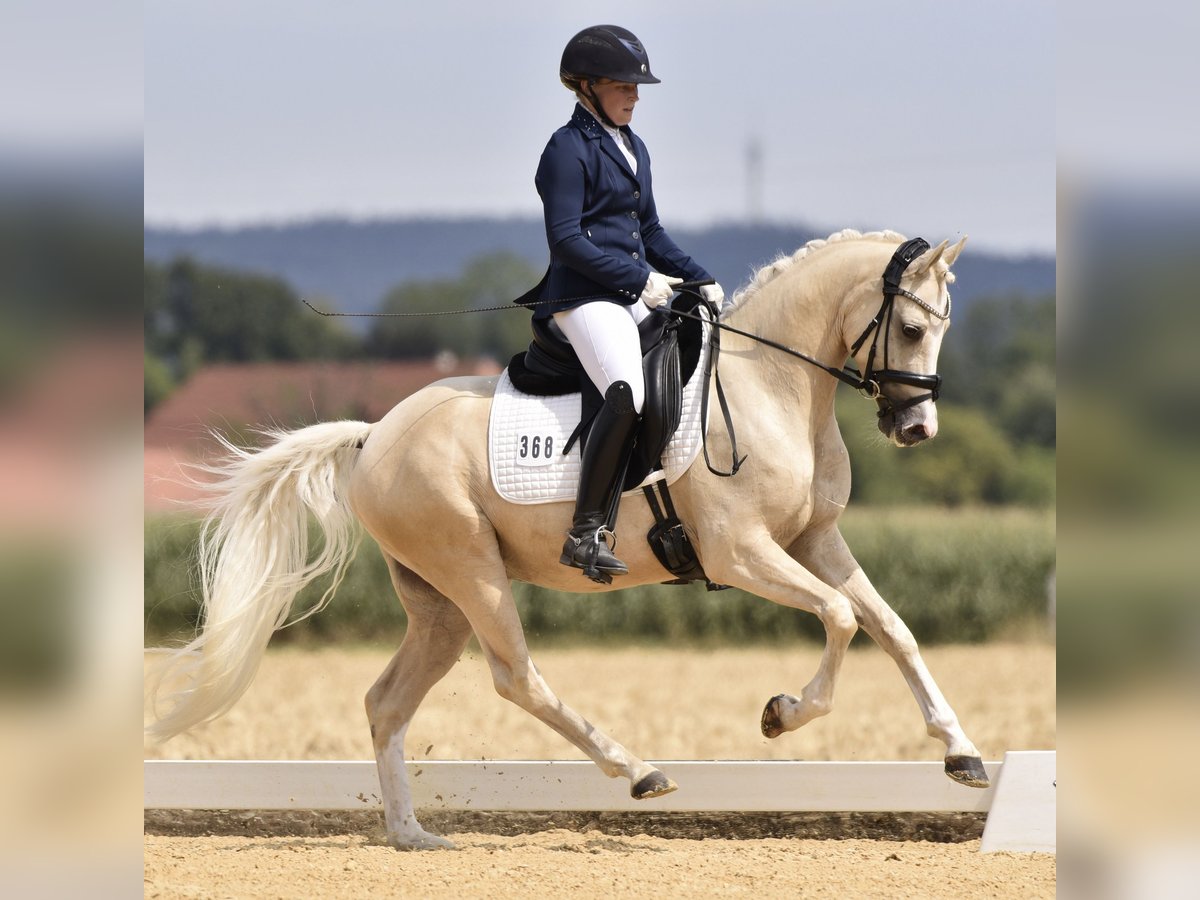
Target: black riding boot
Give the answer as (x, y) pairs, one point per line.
(603, 468)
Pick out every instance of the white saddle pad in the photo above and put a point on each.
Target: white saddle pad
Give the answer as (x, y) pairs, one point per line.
(526, 436)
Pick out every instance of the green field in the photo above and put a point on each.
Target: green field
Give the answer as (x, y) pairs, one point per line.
(953, 575)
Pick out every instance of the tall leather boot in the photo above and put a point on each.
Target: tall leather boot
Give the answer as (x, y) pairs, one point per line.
(603, 467)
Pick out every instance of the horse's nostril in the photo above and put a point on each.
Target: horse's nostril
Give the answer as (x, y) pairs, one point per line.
(916, 432)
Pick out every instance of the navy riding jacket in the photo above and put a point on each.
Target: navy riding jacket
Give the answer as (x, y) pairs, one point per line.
(601, 222)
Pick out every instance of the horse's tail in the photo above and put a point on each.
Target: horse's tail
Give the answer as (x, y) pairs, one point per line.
(254, 560)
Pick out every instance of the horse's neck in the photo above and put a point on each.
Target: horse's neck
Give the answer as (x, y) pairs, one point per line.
(804, 309)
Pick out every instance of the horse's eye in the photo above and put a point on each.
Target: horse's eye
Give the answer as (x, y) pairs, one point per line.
(912, 331)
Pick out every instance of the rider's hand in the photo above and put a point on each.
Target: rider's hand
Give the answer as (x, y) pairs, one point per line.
(714, 295)
(658, 289)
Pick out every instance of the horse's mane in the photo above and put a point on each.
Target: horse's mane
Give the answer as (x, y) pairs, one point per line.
(773, 270)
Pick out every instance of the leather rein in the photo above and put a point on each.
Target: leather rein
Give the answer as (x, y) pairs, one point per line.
(870, 383)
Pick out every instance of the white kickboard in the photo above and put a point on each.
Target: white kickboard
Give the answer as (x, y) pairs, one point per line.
(1024, 807)
(498, 785)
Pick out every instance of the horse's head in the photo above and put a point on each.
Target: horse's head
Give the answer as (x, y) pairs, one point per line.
(898, 353)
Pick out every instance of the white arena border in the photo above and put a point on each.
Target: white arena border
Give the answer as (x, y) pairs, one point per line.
(1020, 804)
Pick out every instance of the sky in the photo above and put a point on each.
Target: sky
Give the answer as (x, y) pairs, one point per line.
(931, 118)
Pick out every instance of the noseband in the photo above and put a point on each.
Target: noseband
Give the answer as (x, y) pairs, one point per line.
(872, 380)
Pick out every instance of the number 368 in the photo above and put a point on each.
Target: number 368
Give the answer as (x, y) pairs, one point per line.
(536, 447)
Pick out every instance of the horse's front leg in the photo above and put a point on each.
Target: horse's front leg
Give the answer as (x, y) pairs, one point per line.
(826, 555)
(759, 565)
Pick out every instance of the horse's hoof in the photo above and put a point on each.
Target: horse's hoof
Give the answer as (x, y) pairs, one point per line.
(653, 785)
(967, 770)
(421, 840)
(772, 721)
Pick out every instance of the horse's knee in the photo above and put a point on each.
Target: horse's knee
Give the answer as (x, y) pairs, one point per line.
(371, 701)
(889, 631)
(900, 639)
(520, 685)
(512, 683)
(381, 711)
(839, 620)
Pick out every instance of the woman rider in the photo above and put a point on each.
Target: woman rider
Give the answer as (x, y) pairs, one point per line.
(604, 236)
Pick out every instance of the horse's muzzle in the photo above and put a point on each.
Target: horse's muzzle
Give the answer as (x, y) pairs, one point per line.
(904, 429)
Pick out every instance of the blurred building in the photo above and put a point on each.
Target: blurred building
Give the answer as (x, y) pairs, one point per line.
(237, 399)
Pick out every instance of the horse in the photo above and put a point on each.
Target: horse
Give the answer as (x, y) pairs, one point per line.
(418, 482)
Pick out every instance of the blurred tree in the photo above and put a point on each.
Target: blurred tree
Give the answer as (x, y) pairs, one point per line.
(1028, 406)
(158, 382)
(1001, 358)
(195, 314)
(496, 280)
(420, 336)
(488, 281)
(970, 461)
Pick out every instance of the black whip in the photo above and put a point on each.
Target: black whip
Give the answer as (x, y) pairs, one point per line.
(683, 286)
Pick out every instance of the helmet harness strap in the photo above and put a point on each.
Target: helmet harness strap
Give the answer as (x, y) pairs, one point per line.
(597, 107)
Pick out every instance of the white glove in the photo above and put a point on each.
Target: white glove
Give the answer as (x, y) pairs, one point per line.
(658, 289)
(714, 295)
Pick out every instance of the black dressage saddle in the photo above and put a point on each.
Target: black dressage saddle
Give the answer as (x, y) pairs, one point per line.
(671, 346)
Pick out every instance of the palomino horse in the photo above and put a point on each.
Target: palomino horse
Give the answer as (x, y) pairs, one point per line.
(418, 481)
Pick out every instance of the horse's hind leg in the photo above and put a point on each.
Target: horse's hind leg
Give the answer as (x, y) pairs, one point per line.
(827, 556)
(436, 635)
(483, 592)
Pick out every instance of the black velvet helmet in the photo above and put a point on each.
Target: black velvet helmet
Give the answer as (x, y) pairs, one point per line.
(607, 51)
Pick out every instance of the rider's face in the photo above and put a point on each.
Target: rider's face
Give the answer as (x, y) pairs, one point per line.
(617, 99)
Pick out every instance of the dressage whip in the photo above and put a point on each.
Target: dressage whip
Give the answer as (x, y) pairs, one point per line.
(683, 286)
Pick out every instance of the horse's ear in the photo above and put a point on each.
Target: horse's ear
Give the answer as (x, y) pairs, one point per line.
(925, 261)
(952, 254)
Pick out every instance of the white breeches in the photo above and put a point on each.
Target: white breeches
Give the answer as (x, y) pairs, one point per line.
(605, 337)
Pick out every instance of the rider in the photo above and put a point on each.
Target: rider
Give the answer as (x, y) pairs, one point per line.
(604, 236)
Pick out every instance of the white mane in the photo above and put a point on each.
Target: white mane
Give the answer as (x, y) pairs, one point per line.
(772, 270)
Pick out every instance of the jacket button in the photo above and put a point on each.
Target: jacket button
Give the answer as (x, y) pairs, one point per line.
(637, 194)
(636, 235)
(633, 215)
(635, 254)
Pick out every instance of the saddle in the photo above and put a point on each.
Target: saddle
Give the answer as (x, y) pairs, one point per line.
(671, 349)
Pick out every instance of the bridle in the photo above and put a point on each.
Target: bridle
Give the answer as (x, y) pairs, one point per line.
(870, 382)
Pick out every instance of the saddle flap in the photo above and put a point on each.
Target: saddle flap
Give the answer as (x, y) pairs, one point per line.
(663, 407)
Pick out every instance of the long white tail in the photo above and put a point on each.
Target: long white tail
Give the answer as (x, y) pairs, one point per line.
(254, 559)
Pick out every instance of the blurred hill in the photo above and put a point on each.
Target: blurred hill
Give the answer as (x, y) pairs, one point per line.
(354, 264)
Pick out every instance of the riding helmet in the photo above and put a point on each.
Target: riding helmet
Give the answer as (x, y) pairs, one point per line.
(607, 51)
